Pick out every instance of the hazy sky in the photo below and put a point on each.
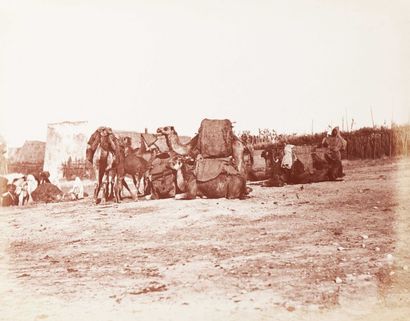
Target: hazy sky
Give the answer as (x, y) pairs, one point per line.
(263, 64)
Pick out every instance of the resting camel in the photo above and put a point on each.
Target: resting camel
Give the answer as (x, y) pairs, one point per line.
(190, 149)
(162, 177)
(296, 173)
(226, 185)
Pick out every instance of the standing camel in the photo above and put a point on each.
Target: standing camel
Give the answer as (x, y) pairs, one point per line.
(137, 162)
(113, 163)
(106, 144)
(105, 152)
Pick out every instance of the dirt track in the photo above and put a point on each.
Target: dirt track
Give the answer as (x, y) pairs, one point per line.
(327, 251)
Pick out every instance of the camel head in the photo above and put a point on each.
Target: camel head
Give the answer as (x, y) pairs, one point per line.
(125, 141)
(89, 154)
(154, 152)
(176, 163)
(103, 137)
(92, 145)
(273, 156)
(167, 130)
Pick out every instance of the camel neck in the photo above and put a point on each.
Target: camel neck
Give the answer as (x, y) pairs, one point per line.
(174, 144)
(180, 180)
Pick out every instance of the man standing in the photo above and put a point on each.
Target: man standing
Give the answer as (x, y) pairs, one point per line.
(335, 143)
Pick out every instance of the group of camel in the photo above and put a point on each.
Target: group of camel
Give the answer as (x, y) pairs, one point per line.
(278, 175)
(116, 159)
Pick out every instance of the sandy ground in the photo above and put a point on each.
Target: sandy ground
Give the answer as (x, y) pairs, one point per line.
(326, 251)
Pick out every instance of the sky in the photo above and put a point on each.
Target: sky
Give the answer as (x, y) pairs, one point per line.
(292, 66)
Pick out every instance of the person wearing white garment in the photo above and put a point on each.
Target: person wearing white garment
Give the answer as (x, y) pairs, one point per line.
(289, 157)
(77, 192)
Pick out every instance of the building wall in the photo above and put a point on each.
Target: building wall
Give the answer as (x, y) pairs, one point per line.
(65, 141)
(66, 147)
(32, 151)
(27, 159)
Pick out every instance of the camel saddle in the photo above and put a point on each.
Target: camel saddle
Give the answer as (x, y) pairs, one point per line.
(160, 167)
(209, 168)
(149, 139)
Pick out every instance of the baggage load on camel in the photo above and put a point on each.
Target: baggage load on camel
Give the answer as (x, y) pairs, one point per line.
(215, 138)
(160, 165)
(208, 168)
(162, 177)
(309, 156)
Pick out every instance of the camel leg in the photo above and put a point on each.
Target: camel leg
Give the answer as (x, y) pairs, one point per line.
(118, 187)
(124, 183)
(147, 184)
(106, 188)
(110, 187)
(142, 179)
(98, 185)
(100, 173)
(96, 191)
(191, 190)
(182, 196)
(104, 192)
(134, 180)
(137, 186)
(142, 184)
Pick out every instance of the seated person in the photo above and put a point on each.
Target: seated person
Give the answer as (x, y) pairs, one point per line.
(77, 192)
(10, 198)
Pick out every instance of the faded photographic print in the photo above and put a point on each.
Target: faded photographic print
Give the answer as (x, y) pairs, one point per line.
(204, 160)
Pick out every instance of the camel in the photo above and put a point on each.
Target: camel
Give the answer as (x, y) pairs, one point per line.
(137, 162)
(113, 163)
(103, 151)
(296, 174)
(148, 152)
(104, 141)
(174, 144)
(162, 177)
(191, 149)
(223, 185)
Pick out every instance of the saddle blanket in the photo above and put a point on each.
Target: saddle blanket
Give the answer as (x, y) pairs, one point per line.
(207, 169)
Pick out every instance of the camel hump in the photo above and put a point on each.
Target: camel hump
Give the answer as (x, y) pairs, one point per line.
(215, 138)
